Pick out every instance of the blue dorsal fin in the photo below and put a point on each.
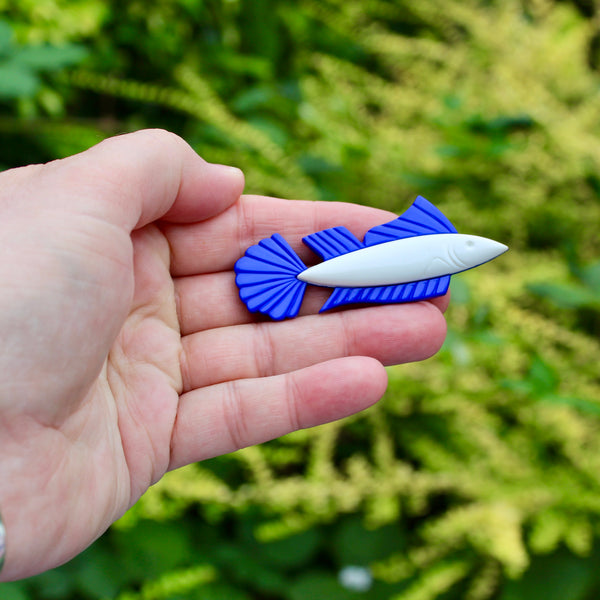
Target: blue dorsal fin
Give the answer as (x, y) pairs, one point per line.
(388, 294)
(333, 242)
(422, 218)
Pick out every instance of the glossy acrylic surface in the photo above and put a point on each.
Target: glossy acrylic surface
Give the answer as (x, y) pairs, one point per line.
(403, 261)
(410, 258)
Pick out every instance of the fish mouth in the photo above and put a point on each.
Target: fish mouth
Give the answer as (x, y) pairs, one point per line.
(474, 251)
(494, 250)
(500, 249)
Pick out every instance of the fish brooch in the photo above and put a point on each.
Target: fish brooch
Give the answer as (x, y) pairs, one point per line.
(408, 259)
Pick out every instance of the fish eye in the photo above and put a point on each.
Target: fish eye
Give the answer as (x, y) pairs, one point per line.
(470, 243)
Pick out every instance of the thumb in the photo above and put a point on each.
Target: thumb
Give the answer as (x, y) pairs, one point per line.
(134, 179)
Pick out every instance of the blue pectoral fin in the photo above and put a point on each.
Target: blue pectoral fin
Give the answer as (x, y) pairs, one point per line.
(333, 242)
(407, 292)
(422, 218)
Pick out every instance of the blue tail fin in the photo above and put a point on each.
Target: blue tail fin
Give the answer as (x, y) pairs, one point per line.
(266, 278)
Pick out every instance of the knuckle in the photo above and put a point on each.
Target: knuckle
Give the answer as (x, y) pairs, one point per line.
(234, 417)
(293, 404)
(263, 351)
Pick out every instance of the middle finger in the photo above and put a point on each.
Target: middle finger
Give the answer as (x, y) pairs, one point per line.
(391, 334)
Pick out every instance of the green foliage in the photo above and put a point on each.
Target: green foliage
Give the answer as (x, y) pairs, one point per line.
(477, 476)
(21, 66)
(579, 295)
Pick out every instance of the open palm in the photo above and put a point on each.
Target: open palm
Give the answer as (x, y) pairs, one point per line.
(126, 351)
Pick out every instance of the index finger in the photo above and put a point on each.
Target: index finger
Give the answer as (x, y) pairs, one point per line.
(215, 244)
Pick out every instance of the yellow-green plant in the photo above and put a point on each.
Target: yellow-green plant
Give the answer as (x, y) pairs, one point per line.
(482, 465)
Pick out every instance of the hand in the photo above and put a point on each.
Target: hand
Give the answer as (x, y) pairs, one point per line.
(126, 351)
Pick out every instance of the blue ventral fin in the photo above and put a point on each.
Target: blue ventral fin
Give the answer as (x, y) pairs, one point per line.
(422, 218)
(333, 242)
(407, 292)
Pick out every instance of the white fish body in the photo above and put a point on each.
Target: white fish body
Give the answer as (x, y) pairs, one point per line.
(405, 260)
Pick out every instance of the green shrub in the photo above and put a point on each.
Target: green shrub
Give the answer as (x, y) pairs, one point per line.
(477, 476)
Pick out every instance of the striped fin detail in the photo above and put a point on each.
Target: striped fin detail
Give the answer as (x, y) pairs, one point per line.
(422, 218)
(267, 278)
(333, 242)
(407, 292)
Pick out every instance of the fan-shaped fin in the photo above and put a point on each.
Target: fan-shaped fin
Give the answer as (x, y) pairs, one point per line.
(267, 278)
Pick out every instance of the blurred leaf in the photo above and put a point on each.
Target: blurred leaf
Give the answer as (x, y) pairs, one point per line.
(49, 58)
(542, 376)
(563, 295)
(590, 275)
(174, 584)
(353, 544)
(459, 291)
(261, 33)
(275, 131)
(458, 348)
(317, 165)
(501, 124)
(13, 591)
(56, 584)
(585, 406)
(98, 575)
(245, 564)
(540, 382)
(244, 64)
(220, 591)
(318, 585)
(6, 38)
(291, 552)
(151, 547)
(560, 576)
(17, 81)
(65, 139)
(253, 98)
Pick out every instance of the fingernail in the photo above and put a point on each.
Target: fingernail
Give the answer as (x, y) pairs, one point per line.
(228, 171)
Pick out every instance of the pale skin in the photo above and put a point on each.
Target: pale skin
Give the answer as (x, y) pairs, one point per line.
(126, 351)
